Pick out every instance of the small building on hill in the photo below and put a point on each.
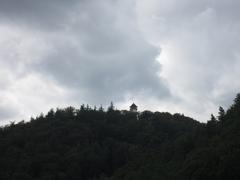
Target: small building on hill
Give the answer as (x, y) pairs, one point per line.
(133, 108)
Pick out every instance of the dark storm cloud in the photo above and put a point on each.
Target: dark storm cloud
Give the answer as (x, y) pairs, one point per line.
(107, 76)
(104, 57)
(94, 49)
(41, 14)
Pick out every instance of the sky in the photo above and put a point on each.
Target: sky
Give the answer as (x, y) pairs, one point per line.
(164, 55)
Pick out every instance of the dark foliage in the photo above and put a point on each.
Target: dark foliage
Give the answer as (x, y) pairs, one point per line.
(91, 144)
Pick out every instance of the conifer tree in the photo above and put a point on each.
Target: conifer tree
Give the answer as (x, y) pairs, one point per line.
(221, 113)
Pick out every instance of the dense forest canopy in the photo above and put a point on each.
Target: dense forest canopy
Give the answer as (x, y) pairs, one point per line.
(93, 144)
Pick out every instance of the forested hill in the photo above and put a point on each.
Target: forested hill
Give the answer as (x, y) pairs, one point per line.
(93, 144)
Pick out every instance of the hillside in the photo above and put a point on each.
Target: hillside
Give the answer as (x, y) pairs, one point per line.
(93, 144)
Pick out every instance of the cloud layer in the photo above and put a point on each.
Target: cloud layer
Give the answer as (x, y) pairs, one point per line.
(165, 55)
(90, 51)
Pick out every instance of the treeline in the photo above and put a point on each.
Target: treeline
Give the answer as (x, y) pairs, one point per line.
(93, 144)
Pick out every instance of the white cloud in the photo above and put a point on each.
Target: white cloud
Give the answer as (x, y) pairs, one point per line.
(199, 51)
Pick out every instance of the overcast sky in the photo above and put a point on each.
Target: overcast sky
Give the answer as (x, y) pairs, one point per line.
(164, 55)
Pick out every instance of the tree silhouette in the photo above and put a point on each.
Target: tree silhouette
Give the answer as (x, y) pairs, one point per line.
(221, 113)
(93, 144)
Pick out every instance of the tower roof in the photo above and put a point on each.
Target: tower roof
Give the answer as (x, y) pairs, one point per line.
(133, 105)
